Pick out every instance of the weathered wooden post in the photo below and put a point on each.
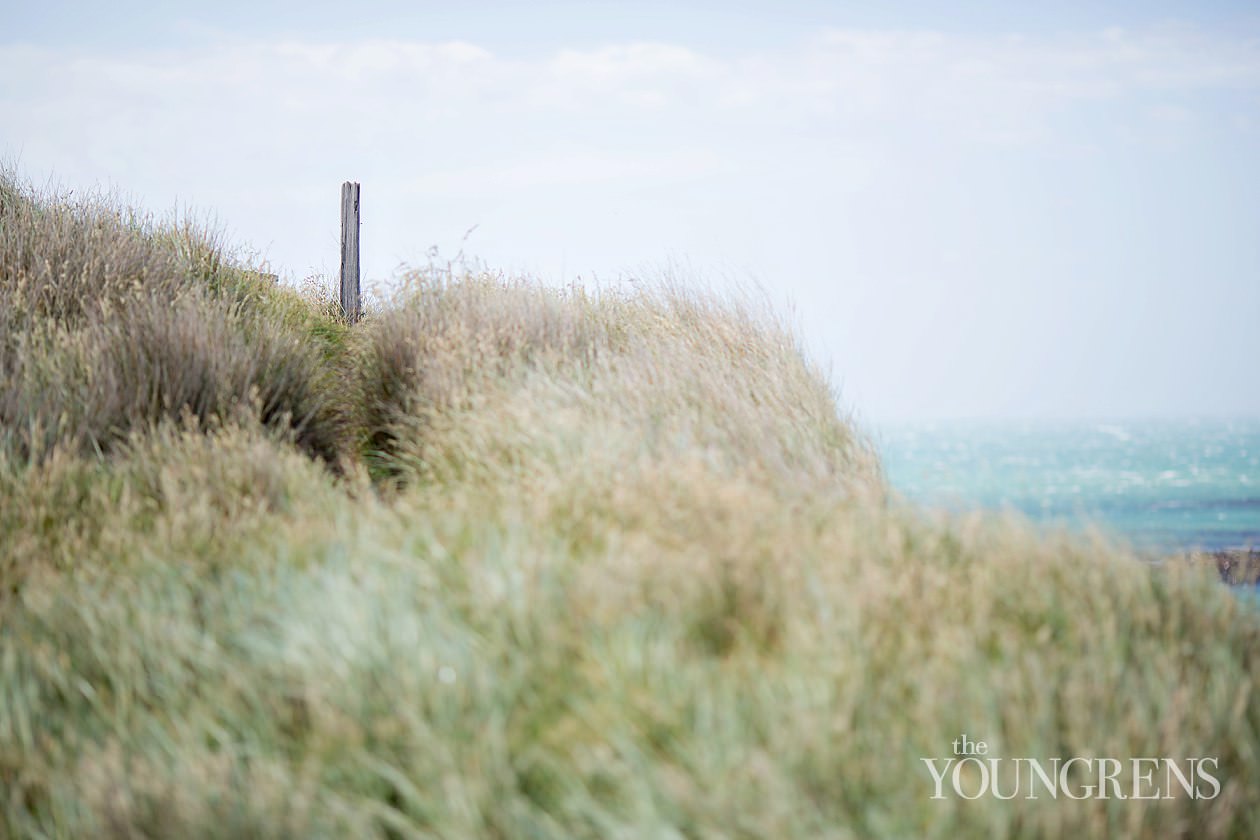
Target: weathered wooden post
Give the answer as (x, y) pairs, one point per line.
(350, 251)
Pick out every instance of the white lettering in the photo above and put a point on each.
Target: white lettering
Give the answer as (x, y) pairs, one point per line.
(1209, 778)
(1171, 769)
(939, 778)
(993, 765)
(1139, 777)
(1108, 770)
(1063, 779)
(984, 778)
(1049, 781)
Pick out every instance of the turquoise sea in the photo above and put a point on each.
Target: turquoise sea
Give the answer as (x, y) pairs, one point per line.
(1164, 485)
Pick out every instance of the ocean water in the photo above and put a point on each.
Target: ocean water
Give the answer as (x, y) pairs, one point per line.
(1164, 485)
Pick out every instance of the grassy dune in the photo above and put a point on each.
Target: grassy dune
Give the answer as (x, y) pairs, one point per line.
(505, 561)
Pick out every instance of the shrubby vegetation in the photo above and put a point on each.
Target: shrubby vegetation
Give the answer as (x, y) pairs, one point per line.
(509, 561)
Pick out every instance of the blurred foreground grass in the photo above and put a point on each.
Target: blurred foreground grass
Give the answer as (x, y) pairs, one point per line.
(505, 561)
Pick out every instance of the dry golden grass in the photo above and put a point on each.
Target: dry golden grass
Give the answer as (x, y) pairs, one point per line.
(588, 566)
(110, 322)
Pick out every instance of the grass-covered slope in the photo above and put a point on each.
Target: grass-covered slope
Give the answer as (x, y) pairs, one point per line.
(503, 561)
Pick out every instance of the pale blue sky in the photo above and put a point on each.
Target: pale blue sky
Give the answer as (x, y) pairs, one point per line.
(992, 210)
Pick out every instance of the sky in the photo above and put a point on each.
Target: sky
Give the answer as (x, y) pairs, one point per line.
(968, 210)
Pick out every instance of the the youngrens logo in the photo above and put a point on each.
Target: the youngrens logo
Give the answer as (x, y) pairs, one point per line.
(971, 773)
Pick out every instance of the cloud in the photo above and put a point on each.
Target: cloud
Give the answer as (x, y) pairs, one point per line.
(445, 118)
(389, 92)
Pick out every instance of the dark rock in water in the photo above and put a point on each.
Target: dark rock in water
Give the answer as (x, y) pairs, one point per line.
(1238, 567)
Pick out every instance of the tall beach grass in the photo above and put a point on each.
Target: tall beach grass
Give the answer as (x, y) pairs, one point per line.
(511, 561)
